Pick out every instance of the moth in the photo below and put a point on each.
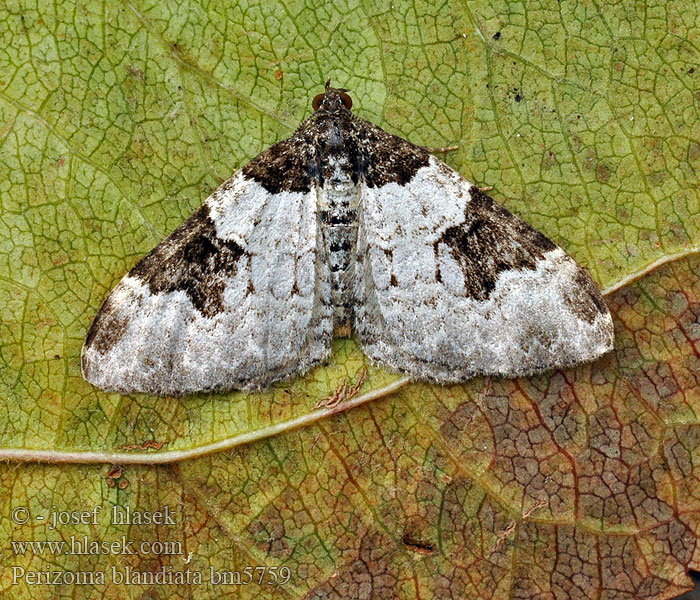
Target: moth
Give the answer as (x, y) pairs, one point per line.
(343, 228)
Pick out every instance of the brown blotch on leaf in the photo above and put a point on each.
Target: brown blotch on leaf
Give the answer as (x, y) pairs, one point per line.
(113, 476)
(152, 444)
(343, 393)
(136, 72)
(368, 572)
(115, 473)
(147, 445)
(419, 546)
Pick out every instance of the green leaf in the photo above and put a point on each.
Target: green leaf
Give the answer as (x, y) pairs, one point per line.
(117, 119)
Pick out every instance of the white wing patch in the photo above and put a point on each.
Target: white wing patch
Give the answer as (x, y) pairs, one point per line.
(429, 306)
(241, 325)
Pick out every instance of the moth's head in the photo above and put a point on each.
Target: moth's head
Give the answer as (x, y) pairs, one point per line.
(332, 100)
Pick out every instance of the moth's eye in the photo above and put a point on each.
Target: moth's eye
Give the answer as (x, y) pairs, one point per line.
(316, 102)
(347, 100)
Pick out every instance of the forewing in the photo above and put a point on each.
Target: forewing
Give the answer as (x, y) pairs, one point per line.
(236, 297)
(450, 285)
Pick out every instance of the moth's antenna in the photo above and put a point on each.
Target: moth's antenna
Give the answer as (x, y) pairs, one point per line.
(328, 83)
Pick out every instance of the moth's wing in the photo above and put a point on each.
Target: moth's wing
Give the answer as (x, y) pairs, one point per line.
(236, 297)
(450, 284)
